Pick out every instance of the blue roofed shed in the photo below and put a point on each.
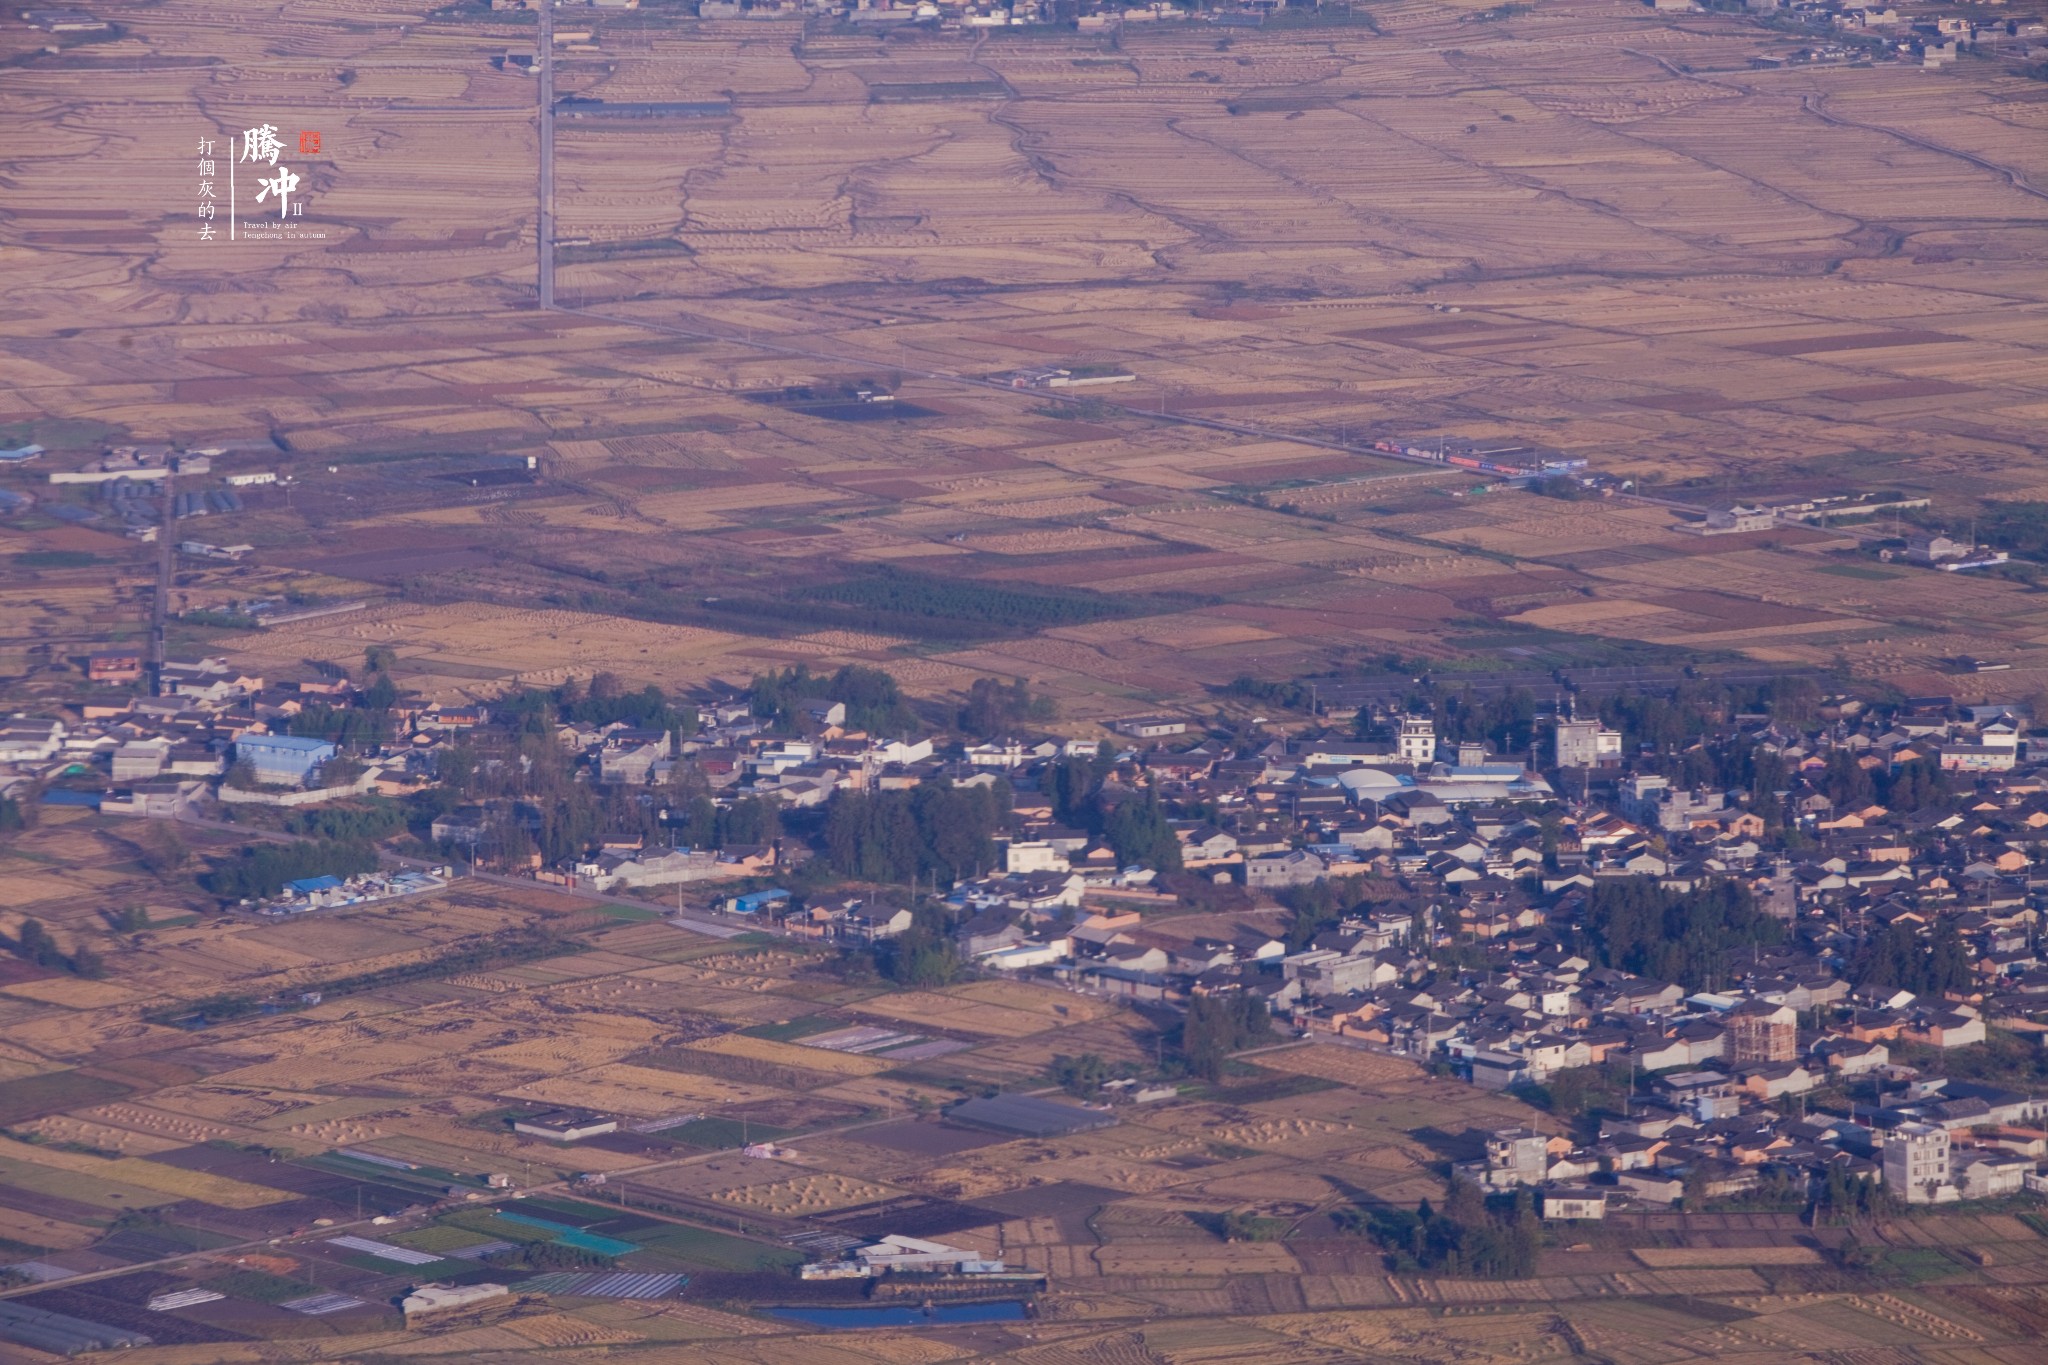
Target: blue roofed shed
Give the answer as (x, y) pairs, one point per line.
(283, 760)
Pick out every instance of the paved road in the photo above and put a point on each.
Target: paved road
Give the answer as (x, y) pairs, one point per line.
(544, 233)
(160, 603)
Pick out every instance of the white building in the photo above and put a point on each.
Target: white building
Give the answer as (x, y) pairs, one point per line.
(26, 740)
(1417, 743)
(1033, 855)
(898, 1254)
(448, 1298)
(1916, 1163)
(1516, 1156)
(1574, 1203)
(1586, 744)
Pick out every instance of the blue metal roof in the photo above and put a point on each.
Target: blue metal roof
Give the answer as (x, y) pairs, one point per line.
(288, 743)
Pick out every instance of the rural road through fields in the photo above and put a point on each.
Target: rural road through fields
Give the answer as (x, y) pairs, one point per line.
(544, 228)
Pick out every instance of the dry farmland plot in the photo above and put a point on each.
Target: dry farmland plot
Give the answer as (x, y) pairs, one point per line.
(807, 1194)
(815, 1059)
(1668, 259)
(957, 1014)
(1348, 1066)
(1650, 269)
(636, 1090)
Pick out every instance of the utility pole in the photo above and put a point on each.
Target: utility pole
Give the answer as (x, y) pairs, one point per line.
(160, 608)
(544, 229)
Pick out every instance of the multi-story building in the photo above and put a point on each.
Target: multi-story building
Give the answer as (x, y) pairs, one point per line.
(1516, 1156)
(1916, 1163)
(1759, 1031)
(1587, 744)
(1418, 740)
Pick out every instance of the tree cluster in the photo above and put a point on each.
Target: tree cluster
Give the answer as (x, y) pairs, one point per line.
(262, 870)
(873, 701)
(994, 710)
(1899, 957)
(377, 818)
(33, 943)
(363, 725)
(1696, 938)
(1218, 1025)
(1674, 720)
(607, 702)
(922, 956)
(1465, 1238)
(1911, 786)
(1140, 833)
(945, 833)
(1844, 1196)
(1082, 1077)
(1319, 905)
(1071, 785)
(1506, 723)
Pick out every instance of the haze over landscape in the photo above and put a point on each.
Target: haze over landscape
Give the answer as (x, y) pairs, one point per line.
(1066, 682)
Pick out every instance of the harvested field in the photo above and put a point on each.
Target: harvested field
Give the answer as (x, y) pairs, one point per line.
(1347, 1066)
(636, 1090)
(949, 1012)
(1669, 1258)
(925, 1139)
(806, 1194)
(1848, 341)
(1653, 241)
(791, 1054)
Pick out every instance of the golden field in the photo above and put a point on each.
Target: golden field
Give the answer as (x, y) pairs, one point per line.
(1663, 257)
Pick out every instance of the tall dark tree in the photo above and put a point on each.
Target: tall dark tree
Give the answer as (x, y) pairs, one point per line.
(1139, 832)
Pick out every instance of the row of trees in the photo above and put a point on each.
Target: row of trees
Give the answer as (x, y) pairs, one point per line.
(377, 818)
(928, 601)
